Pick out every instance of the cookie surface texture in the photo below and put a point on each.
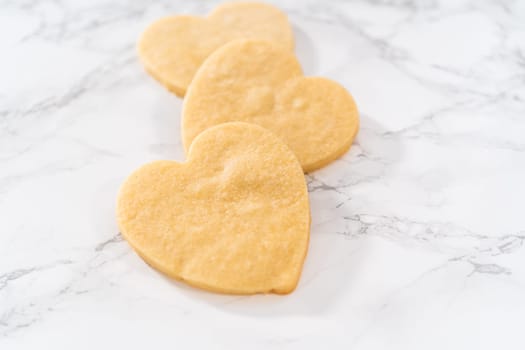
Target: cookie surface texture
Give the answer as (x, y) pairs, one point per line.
(172, 48)
(258, 82)
(234, 218)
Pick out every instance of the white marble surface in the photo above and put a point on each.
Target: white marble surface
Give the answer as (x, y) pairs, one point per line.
(418, 232)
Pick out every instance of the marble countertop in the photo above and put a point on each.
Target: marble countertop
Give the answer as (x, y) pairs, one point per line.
(418, 232)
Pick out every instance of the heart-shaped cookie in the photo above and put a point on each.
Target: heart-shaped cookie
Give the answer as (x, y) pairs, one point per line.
(258, 82)
(173, 48)
(234, 218)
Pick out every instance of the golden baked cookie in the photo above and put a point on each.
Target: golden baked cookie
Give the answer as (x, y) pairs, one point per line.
(234, 218)
(173, 48)
(259, 82)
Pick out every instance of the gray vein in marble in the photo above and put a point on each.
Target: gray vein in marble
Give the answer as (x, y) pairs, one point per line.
(7, 277)
(493, 269)
(430, 231)
(86, 267)
(115, 239)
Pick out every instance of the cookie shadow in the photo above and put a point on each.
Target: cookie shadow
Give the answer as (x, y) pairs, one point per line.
(305, 51)
(166, 114)
(338, 250)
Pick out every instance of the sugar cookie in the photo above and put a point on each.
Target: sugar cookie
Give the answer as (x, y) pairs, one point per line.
(173, 48)
(234, 218)
(258, 82)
